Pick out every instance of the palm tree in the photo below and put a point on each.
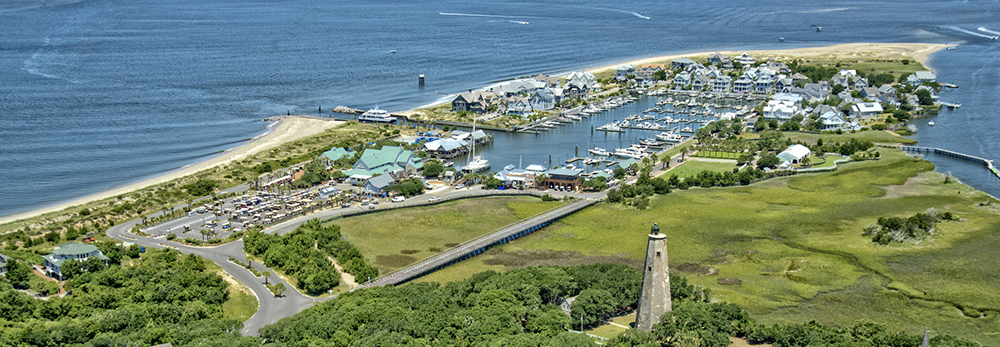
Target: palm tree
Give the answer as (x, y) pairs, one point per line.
(266, 275)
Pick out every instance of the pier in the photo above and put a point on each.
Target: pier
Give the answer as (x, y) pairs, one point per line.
(477, 246)
(986, 162)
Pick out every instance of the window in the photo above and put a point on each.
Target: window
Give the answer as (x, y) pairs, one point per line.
(649, 269)
(657, 255)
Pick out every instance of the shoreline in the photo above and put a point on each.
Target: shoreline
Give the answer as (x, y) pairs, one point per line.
(285, 130)
(293, 128)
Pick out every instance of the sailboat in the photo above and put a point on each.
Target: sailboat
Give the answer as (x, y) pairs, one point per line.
(477, 164)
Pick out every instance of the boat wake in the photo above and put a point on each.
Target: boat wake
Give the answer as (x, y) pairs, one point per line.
(518, 22)
(475, 15)
(989, 31)
(970, 32)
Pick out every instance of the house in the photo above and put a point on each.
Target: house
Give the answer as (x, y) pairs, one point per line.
(743, 85)
(517, 177)
(550, 81)
(783, 85)
(722, 84)
(519, 105)
(796, 77)
(764, 84)
(583, 79)
(745, 59)
(69, 251)
(821, 109)
(513, 88)
(832, 120)
(718, 58)
(889, 98)
(871, 93)
(840, 79)
(3, 264)
(812, 91)
(544, 99)
(780, 110)
(623, 71)
(445, 148)
(921, 77)
(886, 89)
(645, 73)
(335, 153)
(778, 66)
(866, 110)
(701, 82)
(563, 179)
(387, 160)
(682, 80)
(860, 83)
(793, 155)
(378, 184)
(795, 99)
(473, 101)
(681, 63)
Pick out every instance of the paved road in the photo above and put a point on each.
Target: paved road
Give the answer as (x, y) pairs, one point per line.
(271, 309)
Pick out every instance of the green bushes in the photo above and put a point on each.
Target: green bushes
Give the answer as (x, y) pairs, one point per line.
(899, 230)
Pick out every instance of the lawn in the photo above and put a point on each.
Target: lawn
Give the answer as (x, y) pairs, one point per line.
(876, 136)
(717, 155)
(398, 238)
(795, 245)
(242, 304)
(693, 167)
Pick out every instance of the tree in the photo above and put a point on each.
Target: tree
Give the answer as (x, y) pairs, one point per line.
(433, 168)
(767, 161)
(266, 274)
(924, 97)
(279, 289)
(837, 88)
(71, 268)
(592, 305)
(17, 273)
(619, 173)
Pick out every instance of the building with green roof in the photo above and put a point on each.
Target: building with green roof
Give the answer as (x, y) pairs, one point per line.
(70, 251)
(389, 160)
(335, 153)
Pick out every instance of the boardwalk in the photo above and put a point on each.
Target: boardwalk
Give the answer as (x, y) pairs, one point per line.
(478, 245)
(987, 162)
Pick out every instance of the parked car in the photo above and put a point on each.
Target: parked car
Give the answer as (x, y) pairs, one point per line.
(433, 198)
(398, 199)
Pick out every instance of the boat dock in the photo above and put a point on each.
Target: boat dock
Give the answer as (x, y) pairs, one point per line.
(951, 105)
(988, 163)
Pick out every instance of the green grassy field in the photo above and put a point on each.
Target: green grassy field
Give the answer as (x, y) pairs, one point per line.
(871, 135)
(693, 167)
(398, 238)
(717, 155)
(795, 243)
(242, 304)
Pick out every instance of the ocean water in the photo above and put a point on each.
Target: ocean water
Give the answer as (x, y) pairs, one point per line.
(96, 94)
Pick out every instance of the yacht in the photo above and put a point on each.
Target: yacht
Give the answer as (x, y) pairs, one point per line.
(478, 164)
(931, 123)
(669, 137)
(599, 151)
(376, 115)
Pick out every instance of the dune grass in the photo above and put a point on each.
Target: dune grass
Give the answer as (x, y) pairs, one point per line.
(876, 136)
(796, 245)
(398, 238)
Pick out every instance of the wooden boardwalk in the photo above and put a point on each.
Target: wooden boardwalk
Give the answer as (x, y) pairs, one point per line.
(988, 163)
(477, 245)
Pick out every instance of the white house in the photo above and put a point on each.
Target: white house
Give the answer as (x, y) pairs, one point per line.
(866, 110)
(624, 70)
(70, 251)
(780, 110)
(832, 120)
(793, 155)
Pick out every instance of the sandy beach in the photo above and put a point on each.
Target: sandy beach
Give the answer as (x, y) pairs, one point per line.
(916, 51)
(288, 129)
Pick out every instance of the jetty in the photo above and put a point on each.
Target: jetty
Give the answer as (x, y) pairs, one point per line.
(478, 245)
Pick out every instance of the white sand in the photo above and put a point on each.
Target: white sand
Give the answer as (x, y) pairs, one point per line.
(289, 129)
(916, 51)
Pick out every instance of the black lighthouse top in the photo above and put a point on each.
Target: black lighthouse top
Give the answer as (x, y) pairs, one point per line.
(655, 230)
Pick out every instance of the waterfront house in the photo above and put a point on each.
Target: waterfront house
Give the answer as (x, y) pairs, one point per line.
(764, 84)
(519, 106)
(866, 110)
(722, 84)
(473, 101)
(69, 251)
(681, 63)
(574, 91)
(583, 79)
(701, 82)
(777, 66)
(645, 73)
(682, 80)
(745, 59)
(921, 77)
(544, 99)
(379, 184)
(445, 148)
(718, 58)
(743, 85)
(550, 81)
(563, 179)
(514, 88)
(795, 99)
(889, 99)
(623, 71)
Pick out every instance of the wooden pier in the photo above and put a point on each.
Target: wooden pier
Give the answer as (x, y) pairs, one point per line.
(987, 162)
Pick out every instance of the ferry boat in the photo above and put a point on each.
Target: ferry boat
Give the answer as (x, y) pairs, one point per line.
(376, 115)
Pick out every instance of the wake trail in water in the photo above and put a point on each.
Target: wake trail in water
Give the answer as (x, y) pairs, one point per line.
(989, 31)
(475, 15)
(637, 14)
(973, 33)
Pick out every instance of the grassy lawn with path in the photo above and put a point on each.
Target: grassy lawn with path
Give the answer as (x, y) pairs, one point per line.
(691, 168)
(795, 244)
(398, 238)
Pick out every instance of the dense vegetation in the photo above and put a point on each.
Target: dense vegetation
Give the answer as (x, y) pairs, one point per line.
(899, 230)
(165, 297)
(305, 253)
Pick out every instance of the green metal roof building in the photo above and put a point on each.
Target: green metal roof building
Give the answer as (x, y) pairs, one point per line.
(70, 251)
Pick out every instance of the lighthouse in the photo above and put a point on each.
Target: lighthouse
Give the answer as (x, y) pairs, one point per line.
(655, 298)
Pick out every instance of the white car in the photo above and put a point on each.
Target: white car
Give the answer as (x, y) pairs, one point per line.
(433, 199)
(460, 186)
(398, 199)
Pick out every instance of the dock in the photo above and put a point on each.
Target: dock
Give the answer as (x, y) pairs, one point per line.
(986, 162)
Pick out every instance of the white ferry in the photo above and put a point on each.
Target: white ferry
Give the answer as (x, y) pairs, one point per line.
(376, 115)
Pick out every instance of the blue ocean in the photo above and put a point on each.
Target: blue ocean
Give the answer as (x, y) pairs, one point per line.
(96, 94)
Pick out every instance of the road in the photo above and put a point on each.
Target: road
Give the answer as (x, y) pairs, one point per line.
(270, 309)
